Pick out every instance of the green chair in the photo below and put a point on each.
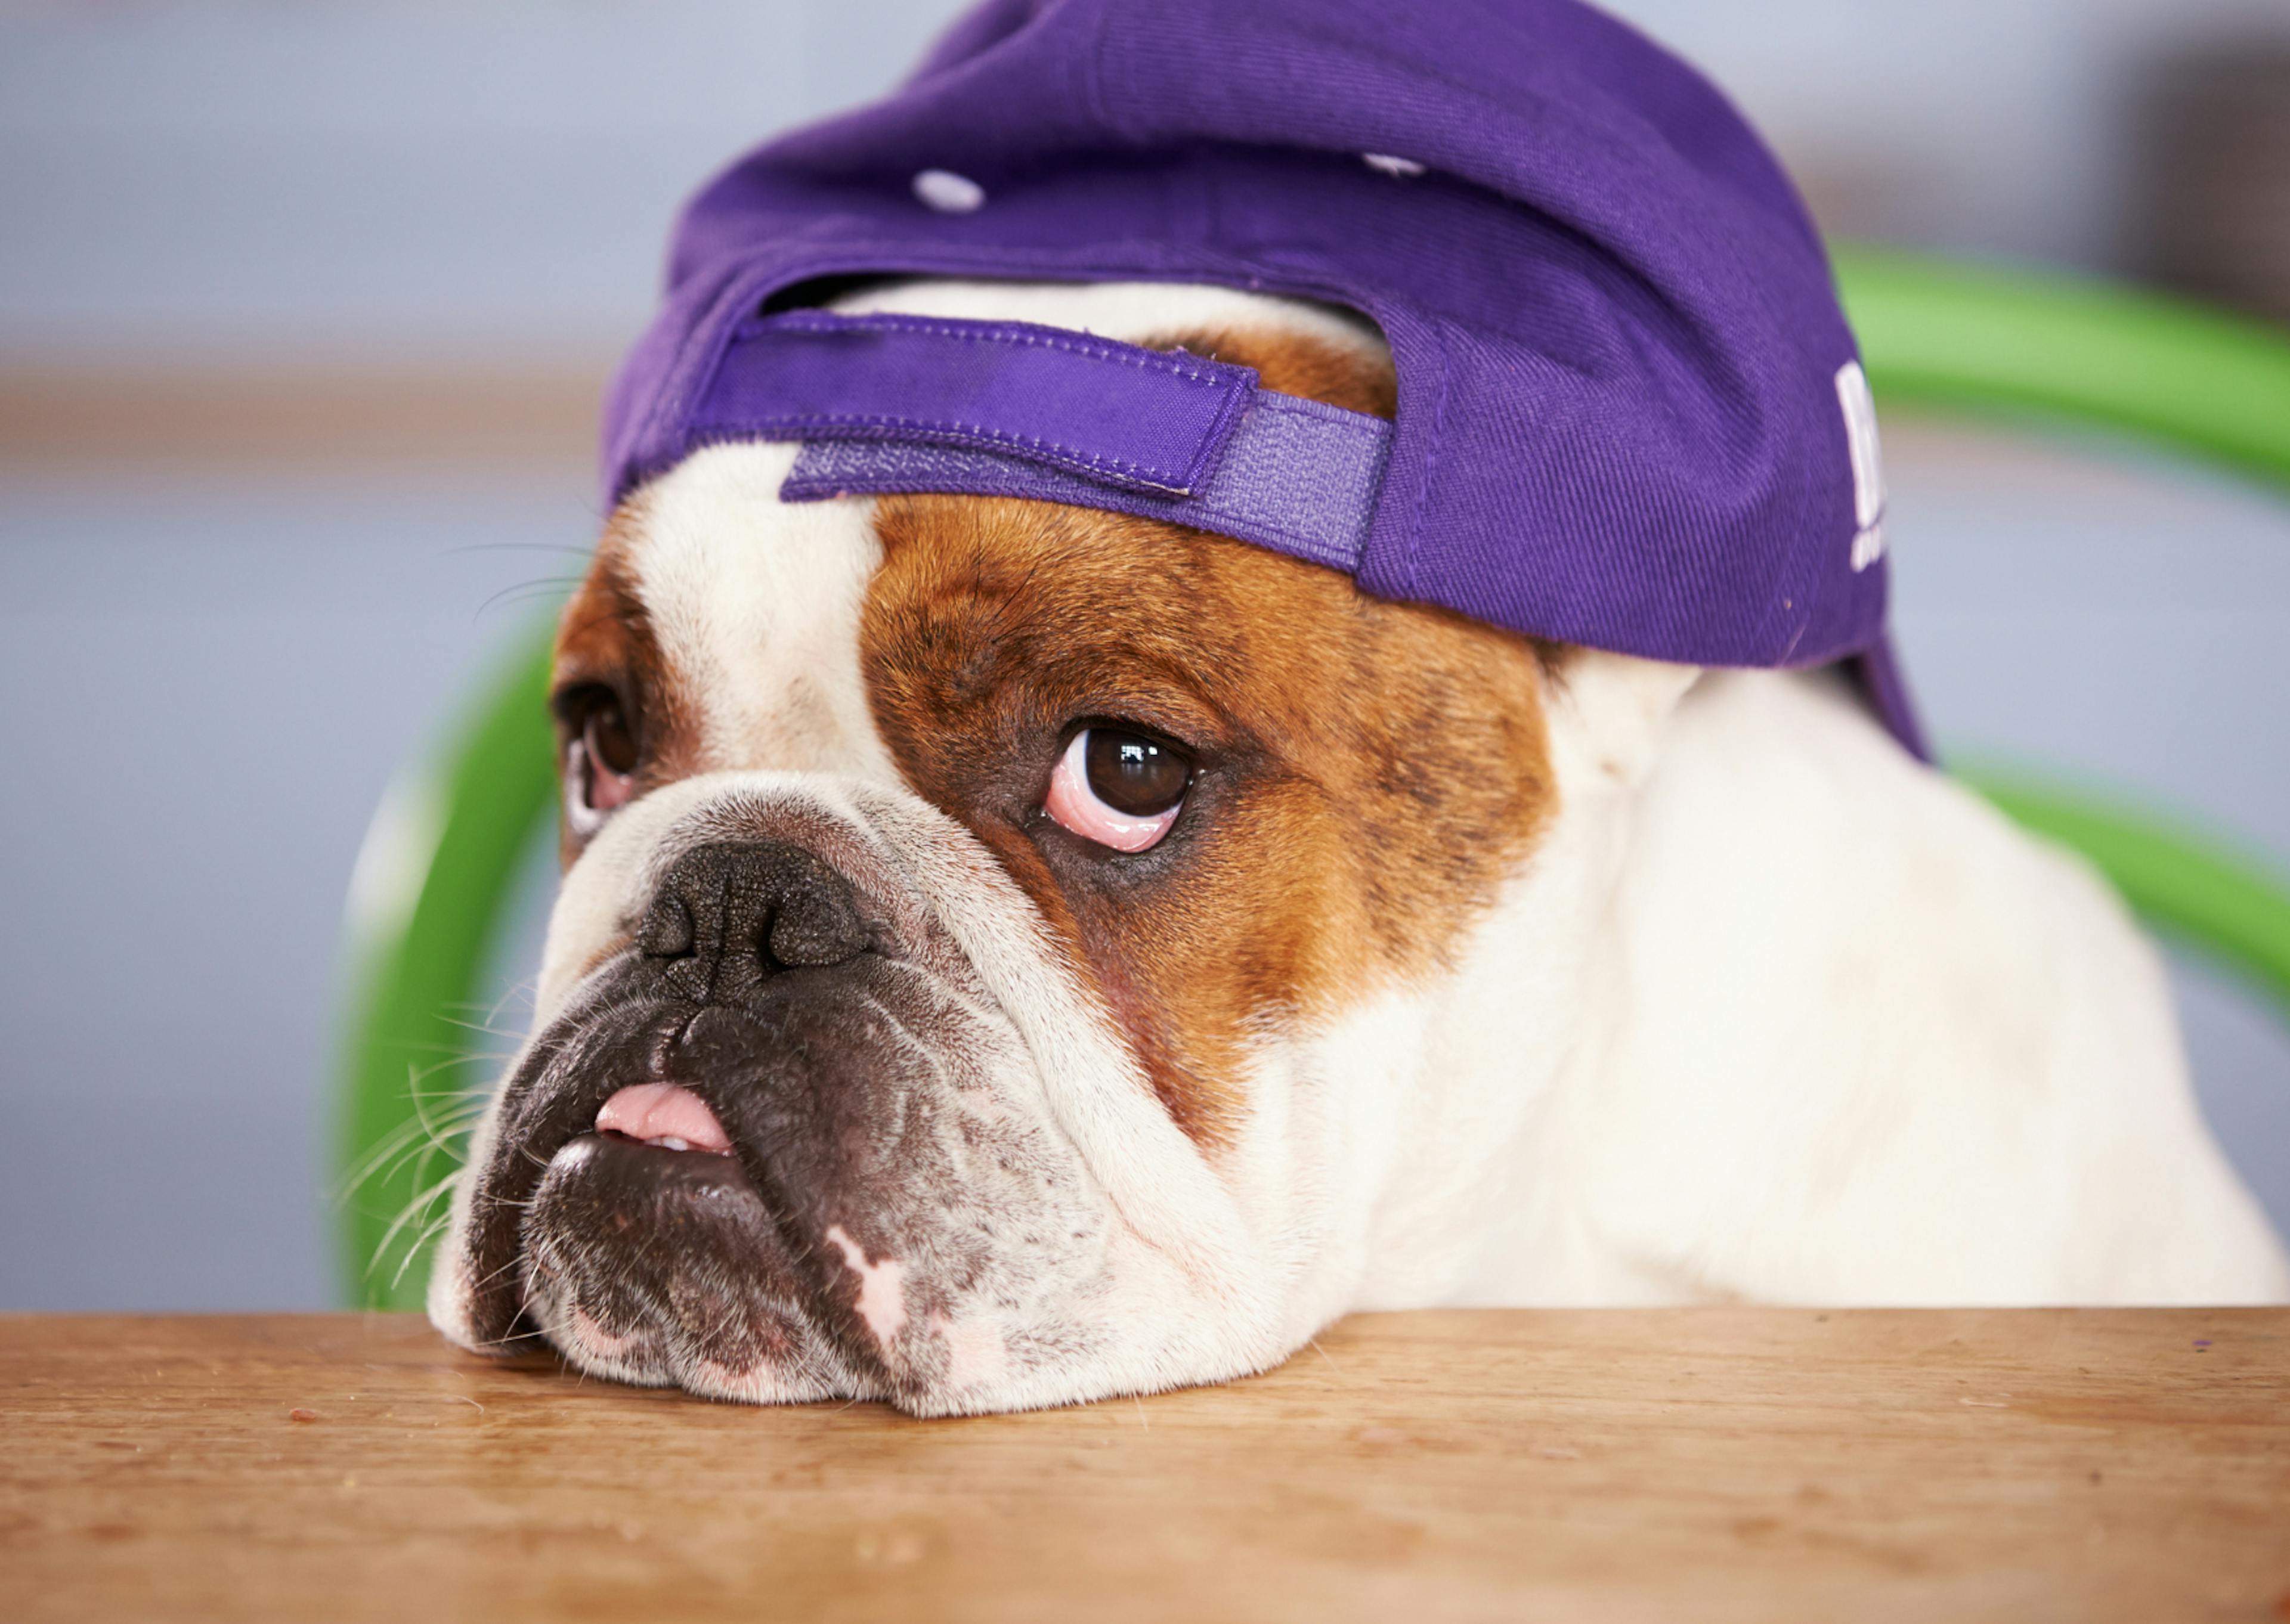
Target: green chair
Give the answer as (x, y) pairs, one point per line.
(446, 847)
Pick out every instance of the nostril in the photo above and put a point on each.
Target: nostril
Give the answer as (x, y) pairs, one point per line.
(668, 931)
(817, 929)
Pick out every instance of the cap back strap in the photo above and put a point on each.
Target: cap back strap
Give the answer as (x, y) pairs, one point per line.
(886, 403)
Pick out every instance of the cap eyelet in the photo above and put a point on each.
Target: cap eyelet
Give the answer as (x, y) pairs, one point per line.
(948, 193)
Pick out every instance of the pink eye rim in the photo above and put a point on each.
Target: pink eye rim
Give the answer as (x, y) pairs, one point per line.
(608, 788)
(601, 760)
(585, 809)
(1075, 806)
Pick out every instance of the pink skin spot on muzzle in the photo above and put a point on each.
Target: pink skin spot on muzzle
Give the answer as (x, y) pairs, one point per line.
(662, 1113)
(881, 1303)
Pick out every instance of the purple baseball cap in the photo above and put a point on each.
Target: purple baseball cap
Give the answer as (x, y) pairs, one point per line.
(1630, 413)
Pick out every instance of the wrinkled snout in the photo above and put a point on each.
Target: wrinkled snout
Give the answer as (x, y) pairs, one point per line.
(781, 1144)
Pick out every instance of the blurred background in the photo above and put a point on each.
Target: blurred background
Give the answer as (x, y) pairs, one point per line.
(304, 311)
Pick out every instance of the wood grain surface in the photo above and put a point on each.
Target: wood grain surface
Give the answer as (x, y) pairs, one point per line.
(1718, 1463)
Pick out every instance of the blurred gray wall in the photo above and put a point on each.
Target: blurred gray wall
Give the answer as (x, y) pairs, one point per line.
(210, 670)
(369, 175)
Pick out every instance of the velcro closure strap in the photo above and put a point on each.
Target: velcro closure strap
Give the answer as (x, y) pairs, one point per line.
(1145, 421)
(1300, 477)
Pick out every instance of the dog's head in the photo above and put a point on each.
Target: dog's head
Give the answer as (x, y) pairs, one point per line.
(1005, 949)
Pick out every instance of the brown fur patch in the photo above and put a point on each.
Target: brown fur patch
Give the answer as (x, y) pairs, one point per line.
(606, 637)
(1369, 772)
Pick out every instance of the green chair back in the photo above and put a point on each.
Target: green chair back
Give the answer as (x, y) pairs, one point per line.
(437, 873)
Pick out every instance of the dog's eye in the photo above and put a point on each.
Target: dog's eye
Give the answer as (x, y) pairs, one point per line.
(1119, 788)
(600, 756)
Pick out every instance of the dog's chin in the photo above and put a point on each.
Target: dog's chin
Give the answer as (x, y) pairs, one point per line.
(769, 1271)
(720, 1271)
(667, 1267)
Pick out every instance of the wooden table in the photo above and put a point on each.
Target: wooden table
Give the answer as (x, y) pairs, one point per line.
(1728, 1463)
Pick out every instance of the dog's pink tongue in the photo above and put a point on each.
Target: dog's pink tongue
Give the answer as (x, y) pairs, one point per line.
(662, 1112)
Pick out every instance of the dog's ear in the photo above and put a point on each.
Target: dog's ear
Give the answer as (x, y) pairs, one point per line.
(1608, 713)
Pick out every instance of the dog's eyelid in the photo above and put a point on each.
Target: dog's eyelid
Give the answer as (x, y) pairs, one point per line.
(1159, 732)
(575, 693)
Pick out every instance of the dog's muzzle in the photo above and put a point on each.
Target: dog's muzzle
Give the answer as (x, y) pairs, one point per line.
(886, 1195)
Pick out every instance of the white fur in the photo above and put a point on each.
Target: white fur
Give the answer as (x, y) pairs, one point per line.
(1772, 1013)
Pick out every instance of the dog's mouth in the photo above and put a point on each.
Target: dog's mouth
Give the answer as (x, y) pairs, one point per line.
(824, 1191)
(649, 1254)
(659, 1264)
(745, 1233)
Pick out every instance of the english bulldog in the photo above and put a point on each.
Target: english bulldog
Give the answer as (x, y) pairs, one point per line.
(1010, 954)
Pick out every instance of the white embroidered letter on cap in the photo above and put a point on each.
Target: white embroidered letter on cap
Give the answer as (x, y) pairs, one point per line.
(1860, 409)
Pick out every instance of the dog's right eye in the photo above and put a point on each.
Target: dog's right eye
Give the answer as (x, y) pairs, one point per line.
(1118, 787)
(600, 756)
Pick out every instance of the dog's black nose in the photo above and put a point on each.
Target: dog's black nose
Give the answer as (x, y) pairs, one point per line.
(726, 917)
